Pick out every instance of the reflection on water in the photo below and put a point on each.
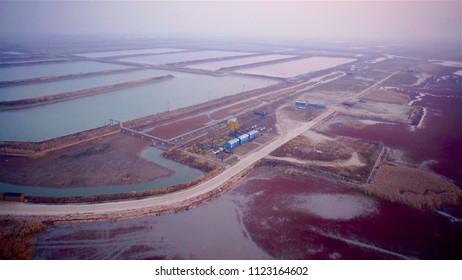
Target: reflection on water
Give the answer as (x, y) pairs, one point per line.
(334, 206)
(212, 231)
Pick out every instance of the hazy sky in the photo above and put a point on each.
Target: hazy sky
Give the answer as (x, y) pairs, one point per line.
(336, 20)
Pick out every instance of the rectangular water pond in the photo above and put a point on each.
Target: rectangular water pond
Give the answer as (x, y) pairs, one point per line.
(180, 57)
(55, 69)
(58, 119)
(49, 88)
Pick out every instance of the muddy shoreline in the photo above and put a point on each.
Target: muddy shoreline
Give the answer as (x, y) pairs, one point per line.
(39, 149)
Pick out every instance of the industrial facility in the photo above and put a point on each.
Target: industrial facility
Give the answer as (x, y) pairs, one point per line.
(235, 137)
(304, 105)
(242, 139)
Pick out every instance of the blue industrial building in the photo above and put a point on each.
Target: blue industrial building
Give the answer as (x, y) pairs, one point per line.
(241, 139)
(303, 104)
(233, 143)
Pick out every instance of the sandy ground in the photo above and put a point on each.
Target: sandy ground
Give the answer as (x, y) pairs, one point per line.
(316, 137)
(113, 160)
(384, 111)
(387, 96)
(352, 161)
(421, 78)
(377, 60)
(447, 63)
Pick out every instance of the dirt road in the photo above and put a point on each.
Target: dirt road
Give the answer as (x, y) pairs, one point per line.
(25, 209)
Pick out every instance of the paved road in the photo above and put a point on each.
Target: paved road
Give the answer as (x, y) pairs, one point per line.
(25, 209)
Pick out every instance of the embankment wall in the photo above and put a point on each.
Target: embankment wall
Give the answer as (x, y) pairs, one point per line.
(64, 96)
(31, 149)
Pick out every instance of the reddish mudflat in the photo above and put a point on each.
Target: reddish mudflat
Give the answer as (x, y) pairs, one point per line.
(177, 128)
(268, 215)
(436, 144)
(299, 217)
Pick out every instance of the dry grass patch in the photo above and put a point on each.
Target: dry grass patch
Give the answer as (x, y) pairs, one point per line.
(303, 148)
(17, 238)
(302, 115)
(413, 187)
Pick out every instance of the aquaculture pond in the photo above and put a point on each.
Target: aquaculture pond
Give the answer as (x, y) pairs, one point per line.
(53, 120)
(49, 88)
(180, 57)
(11, 73)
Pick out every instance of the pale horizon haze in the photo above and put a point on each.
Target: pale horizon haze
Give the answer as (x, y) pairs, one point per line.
(395, 21)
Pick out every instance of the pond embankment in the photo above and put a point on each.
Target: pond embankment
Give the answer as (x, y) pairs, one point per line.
(37, 149)
(64, 96)
(65, 77)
